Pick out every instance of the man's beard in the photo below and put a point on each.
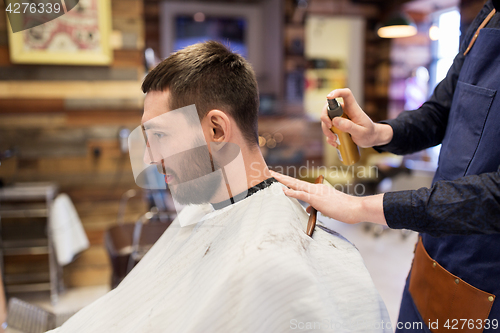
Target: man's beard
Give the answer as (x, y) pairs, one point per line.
(194, 179)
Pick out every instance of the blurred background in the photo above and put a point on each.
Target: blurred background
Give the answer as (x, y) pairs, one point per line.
(72, 220)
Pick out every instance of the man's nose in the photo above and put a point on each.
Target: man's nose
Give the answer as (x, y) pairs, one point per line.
(148, 156)
(148, 159)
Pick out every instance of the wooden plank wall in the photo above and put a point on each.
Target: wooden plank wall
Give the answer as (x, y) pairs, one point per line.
(64, 122)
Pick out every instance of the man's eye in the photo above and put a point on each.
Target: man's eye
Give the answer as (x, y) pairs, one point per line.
(159, 135)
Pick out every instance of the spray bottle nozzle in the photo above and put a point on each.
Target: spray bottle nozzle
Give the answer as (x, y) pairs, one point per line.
(334, 108)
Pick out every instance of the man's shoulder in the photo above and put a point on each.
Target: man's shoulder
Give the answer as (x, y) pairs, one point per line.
(273, 207)
(282, 221)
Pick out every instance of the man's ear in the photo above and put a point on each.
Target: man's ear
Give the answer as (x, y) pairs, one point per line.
(219, 126)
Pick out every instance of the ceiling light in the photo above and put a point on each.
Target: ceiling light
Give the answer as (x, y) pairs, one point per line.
(434, 33)
(399, 25)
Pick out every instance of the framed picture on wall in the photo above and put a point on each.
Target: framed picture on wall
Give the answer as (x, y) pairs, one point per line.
(81, 36)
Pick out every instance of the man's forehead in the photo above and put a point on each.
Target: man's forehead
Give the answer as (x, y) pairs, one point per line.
(156, 103)
(158, 116)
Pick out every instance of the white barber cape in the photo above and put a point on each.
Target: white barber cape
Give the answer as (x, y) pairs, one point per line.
(248, 267)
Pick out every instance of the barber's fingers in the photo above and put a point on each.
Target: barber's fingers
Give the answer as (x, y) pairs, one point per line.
(331, 137)
(346, 95)
(324, 117)
(326, 125)
(299, 195)
(332, 143)
(347, 125)
(313, 198)
(350, 106)
(293, 183)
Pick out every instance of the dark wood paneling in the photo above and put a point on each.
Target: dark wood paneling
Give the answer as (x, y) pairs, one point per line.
(4, 56)
(67, 132)
(127, 8)
(121, 58)
(98, 117)
(128, 58)
(66, 73)
(17, 106)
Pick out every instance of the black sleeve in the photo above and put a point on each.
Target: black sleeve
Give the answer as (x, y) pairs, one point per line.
(468, 205)
(425, 127)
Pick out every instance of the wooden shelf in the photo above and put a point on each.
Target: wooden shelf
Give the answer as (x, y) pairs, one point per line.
(17, 279)
(25, 288)
(24, 212)
(29, 238)
(20, 251)
(36, 242)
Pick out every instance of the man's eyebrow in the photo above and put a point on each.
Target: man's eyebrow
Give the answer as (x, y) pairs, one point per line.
(153, 125)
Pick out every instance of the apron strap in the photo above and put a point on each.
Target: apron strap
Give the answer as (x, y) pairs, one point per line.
(473, 40)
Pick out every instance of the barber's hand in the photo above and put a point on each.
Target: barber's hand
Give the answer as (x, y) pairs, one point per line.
(335, 204)
(324, 198)
(363, 131)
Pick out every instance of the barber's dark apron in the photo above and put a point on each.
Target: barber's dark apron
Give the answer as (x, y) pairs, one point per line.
(456, 278)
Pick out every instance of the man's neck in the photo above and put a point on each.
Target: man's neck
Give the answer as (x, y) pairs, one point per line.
(256, 168)
(242, 174)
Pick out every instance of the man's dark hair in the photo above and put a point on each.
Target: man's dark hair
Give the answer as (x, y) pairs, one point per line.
(211, 77)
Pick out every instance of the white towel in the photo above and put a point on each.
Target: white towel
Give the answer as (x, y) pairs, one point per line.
(66, 229)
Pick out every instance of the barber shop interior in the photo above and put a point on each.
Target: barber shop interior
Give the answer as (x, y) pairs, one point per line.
(249, 166)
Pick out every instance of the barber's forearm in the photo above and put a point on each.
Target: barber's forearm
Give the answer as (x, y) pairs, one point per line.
(372, 209)
(464, 206)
